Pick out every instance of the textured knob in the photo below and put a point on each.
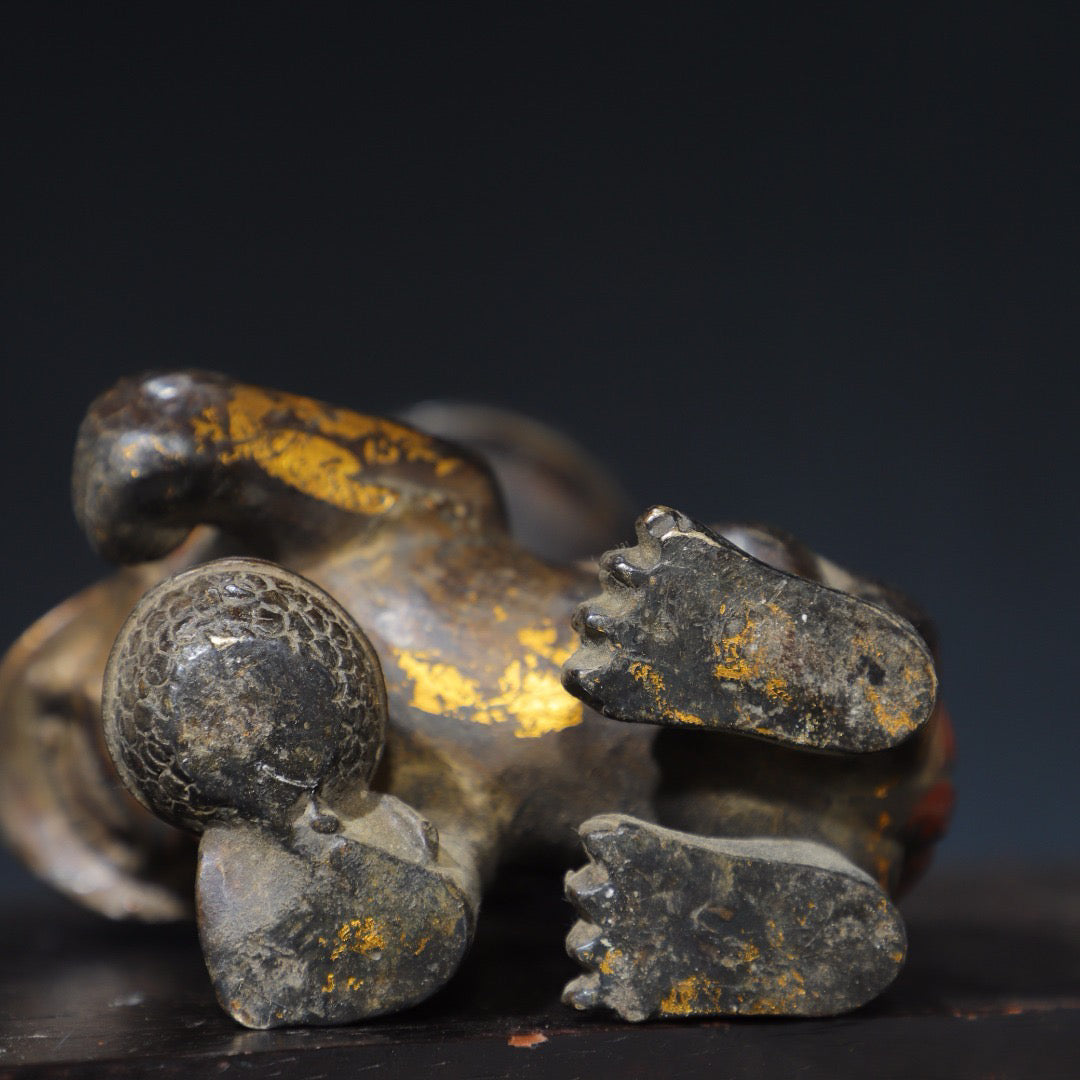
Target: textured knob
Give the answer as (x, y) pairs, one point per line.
(237, 688)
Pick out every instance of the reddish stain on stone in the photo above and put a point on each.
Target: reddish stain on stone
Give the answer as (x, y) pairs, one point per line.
(529, 1041)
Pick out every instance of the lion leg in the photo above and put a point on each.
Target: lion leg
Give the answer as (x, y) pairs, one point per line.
(160, 453)
(690, 631)
(674, 924)
(243, 704)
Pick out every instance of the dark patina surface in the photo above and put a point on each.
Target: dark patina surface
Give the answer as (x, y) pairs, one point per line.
(792, 764)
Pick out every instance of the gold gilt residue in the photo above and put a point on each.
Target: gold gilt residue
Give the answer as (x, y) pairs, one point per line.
(897, 722)
(318, 450)
(328, 987)
(528, 692)
(769, 992)
(780, 995)
(776, 690)
(687, 718)
(361, 936)
(774, 935)
(544, 641)
(741, 658)
(653, 682)
(737, 654)
(648, 677)
(358, 936)
(607, 963)
(750, 952)
(691, 996)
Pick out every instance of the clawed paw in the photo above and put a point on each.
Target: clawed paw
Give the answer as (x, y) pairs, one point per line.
(611, 670)
(337, 921)
(677, 925)
(690, 631)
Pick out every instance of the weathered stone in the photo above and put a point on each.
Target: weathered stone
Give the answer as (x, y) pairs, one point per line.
(245, 704)
(690, 631)
(310, 927)
(681, 925)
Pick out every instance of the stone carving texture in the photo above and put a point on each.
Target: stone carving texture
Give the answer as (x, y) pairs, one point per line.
(339, 666)
(234, 688)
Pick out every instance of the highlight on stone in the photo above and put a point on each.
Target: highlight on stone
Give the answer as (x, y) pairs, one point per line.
(352, 667)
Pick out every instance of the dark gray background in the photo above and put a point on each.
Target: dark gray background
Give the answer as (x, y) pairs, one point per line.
(815, 267)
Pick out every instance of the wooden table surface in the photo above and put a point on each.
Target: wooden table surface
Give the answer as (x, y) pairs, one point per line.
(991, 989)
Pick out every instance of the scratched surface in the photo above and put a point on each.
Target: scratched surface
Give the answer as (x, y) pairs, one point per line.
(992, 989)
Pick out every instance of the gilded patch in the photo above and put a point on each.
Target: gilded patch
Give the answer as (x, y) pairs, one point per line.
(315, 449)
(528, 693)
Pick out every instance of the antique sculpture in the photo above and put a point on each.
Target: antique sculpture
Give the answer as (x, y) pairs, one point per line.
(337, 667)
